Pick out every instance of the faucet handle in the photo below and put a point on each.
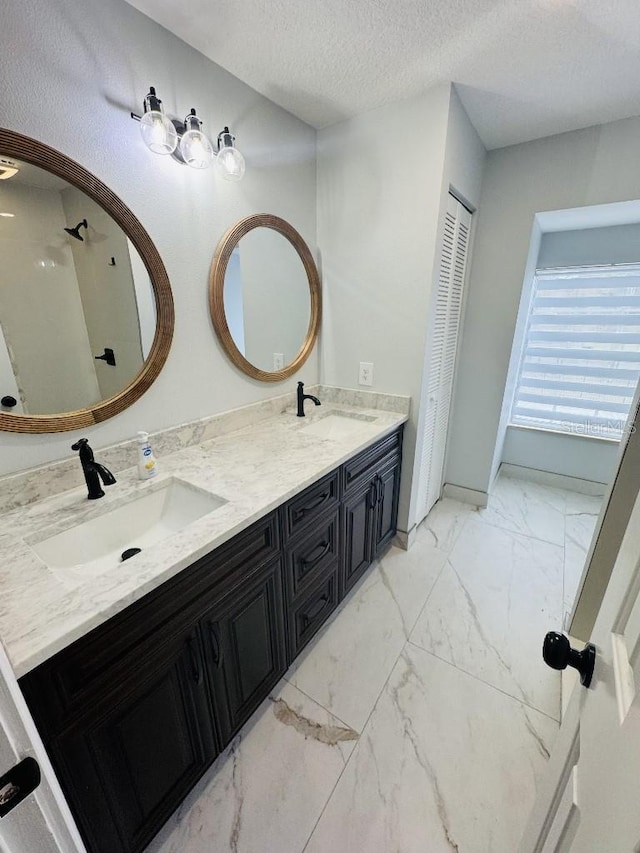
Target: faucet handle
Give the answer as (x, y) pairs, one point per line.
(80, 443)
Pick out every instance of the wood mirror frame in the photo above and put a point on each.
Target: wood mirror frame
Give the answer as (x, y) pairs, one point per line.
(216, 294)
(37, 153)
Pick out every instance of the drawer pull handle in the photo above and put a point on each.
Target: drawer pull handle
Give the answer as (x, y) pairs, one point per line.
(372, 497)
(215, 643)
(310, 561)
(298, 513)
(196, 671)
(380, 489)
(316, 610)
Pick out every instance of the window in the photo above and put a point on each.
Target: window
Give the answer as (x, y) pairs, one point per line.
(580, 362)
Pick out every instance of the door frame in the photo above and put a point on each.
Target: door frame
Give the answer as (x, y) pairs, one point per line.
(49, 813)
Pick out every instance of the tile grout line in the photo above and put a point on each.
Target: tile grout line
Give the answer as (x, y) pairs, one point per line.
(482, 681)
(320, 705)
(409, 642)
(518, 532)
(373, 707)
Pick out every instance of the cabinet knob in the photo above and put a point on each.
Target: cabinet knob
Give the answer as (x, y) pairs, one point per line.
(558, 654)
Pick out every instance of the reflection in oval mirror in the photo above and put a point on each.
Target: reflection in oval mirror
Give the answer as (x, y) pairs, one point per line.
(264, 297)
(267, 301)
(77, 309)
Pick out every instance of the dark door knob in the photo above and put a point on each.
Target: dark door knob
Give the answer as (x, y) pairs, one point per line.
(558, 654)
(8, 402)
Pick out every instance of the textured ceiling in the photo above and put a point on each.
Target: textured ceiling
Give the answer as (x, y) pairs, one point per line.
(523, 68)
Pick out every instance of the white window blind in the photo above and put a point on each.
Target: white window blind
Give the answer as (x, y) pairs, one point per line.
(581, 355)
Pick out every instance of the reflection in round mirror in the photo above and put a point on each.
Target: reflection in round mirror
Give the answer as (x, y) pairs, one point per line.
(265, 297)
(77, 309)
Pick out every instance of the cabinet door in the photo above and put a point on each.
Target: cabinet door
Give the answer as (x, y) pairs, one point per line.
(245, 646)
(358, 527)
(129, 763)
(388, 491)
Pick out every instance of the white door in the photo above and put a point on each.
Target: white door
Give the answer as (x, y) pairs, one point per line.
(41, 823)
(441, 358)
(589, 799)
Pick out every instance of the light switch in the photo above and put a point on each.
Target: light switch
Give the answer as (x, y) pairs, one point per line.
(366, 373)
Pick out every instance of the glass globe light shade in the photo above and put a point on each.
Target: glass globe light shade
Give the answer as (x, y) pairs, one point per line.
(158, 132)
(196, 149)
(231, 164)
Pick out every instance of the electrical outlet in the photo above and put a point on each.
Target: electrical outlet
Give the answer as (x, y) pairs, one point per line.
(278, 361)
(365, 377)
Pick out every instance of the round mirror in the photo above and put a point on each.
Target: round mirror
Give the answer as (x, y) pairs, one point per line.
(265, 297)
(86, 313)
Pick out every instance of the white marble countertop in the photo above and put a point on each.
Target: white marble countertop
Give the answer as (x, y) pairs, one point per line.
(254, 470)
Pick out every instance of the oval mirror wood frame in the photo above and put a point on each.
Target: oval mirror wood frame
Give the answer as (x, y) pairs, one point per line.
(216, 294)
(37, 153)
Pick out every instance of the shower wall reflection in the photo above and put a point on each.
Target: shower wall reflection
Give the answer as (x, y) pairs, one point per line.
(63, 299)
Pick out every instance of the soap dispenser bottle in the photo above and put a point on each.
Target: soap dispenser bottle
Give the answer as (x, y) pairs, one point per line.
(147, 465)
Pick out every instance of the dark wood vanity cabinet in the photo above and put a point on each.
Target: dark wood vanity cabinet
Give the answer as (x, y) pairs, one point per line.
(245, 647)
(136, 751)
(370, 507)
(133, 713)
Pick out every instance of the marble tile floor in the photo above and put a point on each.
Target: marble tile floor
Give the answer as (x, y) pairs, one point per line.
(421, 716)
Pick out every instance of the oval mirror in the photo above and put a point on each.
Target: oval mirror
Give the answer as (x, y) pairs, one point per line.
(86, 313)
(265, 297)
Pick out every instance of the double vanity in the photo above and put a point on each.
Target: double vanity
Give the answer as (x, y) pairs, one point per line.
(139, 672)
(147, 624)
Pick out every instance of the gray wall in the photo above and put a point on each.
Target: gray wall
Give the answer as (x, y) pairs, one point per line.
(71, 73)
(592, 166)
(379, 215)
(616, 244)
(586, 458)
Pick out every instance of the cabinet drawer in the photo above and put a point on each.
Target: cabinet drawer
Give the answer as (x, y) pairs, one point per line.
(356, 471)
(313, 502)
(307, 557)
(72, 678)
(309, 615)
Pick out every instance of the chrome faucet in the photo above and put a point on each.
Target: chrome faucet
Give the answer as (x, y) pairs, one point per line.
(302, 397)
(93, 471)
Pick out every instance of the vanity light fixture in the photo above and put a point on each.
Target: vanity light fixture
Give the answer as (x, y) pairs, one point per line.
(229, 161)
(186, 141)
(158, 131)
(195, 148)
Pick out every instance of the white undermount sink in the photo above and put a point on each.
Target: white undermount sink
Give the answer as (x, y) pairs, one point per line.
(338, 425)
(96, 545)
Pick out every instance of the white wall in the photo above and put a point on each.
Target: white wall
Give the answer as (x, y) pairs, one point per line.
(593, 166)
(71, 73)
(382, 177)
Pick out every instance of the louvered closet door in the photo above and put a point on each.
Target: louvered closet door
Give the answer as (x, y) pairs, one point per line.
(440, 367)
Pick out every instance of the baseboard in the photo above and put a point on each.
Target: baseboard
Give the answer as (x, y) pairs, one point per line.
(404, 539)
(467, 496)
(556, 481)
